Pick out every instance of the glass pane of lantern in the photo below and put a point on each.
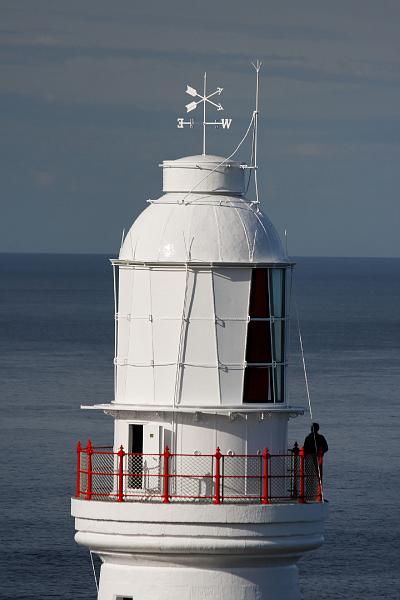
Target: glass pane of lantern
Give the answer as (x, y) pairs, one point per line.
(278, 292)
(257, 387)
(279, 383)
(258, 349)
(259, 294)
(278, 328)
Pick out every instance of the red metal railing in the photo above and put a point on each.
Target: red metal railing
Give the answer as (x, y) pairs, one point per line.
(103, 474)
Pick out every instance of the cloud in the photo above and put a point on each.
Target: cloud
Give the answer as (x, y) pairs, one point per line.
(43, 179)
(308, 149)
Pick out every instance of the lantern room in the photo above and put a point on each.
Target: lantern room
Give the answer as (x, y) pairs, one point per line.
(202, 287)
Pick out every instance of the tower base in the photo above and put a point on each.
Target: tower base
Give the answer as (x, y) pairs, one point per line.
(194, 552)
(170, 582)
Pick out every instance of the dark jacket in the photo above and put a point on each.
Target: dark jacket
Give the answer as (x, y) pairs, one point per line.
(313, 440)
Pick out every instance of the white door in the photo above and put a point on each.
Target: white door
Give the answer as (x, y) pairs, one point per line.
(152, 460)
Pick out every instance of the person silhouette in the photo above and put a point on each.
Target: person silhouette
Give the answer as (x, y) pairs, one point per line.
(315, 446)
(315, 443)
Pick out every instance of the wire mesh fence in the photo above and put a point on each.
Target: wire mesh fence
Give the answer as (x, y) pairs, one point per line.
(281, 471)
(103, 474)
(142, 476)
(242, 478)
(191, 477)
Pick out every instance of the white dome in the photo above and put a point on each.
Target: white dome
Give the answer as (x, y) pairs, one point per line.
(214, 225)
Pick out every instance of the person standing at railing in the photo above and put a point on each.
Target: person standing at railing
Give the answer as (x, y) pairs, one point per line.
(315, 446)
(315, 443)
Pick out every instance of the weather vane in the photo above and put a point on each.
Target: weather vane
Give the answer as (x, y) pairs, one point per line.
(205, 99)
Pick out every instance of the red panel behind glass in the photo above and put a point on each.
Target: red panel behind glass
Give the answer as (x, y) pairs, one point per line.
(257, 384)
(259, 294)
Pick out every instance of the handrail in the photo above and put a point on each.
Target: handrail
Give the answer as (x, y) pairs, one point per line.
(263, 478)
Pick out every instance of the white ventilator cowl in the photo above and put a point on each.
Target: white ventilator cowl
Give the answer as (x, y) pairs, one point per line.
(203, 217)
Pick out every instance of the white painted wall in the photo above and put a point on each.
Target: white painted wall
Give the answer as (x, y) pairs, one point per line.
(190, 433)
(182, 335)
(198, 551)
(203, 174)
(154, 432)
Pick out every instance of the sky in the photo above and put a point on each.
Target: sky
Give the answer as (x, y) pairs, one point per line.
(90, 91)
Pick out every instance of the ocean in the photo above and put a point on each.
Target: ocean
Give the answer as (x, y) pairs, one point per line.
(56, 345)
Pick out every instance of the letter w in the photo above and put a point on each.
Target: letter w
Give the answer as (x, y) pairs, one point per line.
(226, 123)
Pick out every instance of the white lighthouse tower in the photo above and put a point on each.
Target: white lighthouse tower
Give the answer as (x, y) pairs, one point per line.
(199, 498)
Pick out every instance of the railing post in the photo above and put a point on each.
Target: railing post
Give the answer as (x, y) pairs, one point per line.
(217, 495)
(265, 493)
(166, 455)
(295, 470)
(78, 470)
(89, 452)
(120, 491)
(301, 456)
(319, 475)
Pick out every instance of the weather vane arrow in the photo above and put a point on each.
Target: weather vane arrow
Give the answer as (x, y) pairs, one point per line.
(203, 99)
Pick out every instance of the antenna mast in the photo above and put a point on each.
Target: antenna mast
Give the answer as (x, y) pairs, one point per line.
(257, 67)
(204, 113)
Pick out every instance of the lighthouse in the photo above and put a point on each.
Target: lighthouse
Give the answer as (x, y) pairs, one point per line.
(198, 496)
